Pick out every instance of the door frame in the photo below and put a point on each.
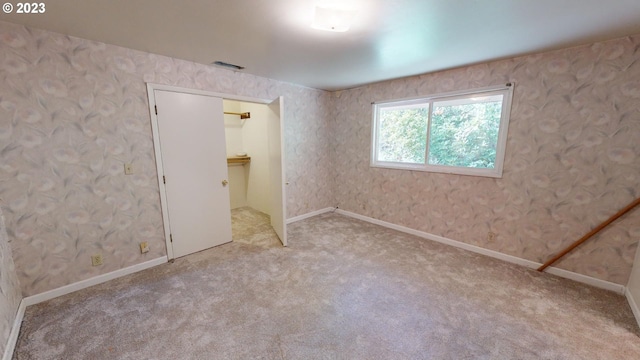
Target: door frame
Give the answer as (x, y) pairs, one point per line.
(151, 87)
(279, 101)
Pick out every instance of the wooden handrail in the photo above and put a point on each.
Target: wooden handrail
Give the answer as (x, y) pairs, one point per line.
(588, 235)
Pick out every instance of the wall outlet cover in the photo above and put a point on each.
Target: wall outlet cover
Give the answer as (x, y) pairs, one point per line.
(96, 260)
(144, 247)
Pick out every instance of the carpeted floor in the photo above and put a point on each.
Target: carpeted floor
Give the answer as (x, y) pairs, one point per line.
(343, 289)
(250, 226)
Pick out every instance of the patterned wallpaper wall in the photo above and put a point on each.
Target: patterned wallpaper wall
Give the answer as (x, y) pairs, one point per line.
(73, 111)
(9, 287)
(572, 159)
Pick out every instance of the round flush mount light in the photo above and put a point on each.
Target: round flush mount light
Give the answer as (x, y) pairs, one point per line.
(332, 19)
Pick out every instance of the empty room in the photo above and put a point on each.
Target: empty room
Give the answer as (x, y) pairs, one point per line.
(440, 179)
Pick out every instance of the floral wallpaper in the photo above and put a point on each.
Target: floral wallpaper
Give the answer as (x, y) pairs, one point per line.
(572, 160)
(73, 111)
(9, 287)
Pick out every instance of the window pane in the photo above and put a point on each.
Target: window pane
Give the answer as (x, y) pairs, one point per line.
(464, 132)
(402, 134)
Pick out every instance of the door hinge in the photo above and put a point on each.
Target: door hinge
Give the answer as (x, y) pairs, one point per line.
(171, 237)
(156, 107)
(164, 179)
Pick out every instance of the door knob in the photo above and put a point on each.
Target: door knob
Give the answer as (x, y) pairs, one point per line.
(225, 182)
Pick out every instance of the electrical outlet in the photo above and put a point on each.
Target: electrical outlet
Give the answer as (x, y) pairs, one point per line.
(96, 260)
(128, 169)
(491, 236)
(144, 247)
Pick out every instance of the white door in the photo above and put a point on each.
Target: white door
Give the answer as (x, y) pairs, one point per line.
(194, 162)
(276, 169)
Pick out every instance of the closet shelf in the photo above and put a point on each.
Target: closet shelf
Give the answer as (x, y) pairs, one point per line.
(240, 160)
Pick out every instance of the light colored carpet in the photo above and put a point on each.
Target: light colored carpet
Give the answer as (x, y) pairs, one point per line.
(343, 289)
(250, 226)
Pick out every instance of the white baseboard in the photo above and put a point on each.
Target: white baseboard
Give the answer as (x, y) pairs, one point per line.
(311, 214)
(48, 295)
(15, 330)
(633, 304)
(603, 284)
(599, 283)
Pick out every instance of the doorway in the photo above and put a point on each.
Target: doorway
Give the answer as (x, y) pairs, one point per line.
(190, 144)
(254, 152)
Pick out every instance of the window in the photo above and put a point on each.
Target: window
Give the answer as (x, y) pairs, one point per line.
(460, 133)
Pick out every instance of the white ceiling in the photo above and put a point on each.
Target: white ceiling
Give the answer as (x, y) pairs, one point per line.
(388, 39)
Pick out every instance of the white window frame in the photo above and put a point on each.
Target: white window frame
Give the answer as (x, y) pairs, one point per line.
(496, 172)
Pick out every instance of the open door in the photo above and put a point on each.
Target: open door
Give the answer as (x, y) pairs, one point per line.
(276, 169)
(193, 171)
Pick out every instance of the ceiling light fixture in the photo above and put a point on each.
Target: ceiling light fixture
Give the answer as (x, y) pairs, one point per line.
(332, 19)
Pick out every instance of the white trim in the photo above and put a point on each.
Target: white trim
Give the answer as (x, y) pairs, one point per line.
(455, 93)
(633, 304)
(633, 287)
(311, 214)
(160, 170)
(48, 295)
(599, 283)
(506, 91)
(15, 330)
(51, 294)
(151, 87)
(603, 284)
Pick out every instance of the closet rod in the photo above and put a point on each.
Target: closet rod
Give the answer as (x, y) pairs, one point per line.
(244, 115)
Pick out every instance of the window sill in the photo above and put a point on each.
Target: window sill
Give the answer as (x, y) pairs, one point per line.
(490, 173)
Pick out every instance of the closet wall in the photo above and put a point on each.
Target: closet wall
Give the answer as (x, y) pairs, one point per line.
(10, 295)
(249, 183)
